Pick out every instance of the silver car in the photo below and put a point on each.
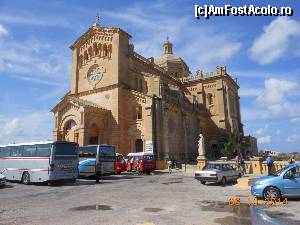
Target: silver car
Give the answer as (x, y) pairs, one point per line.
(2, 180)
(218, 172)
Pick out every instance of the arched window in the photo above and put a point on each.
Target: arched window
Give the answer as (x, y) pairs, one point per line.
(139, 112)
(136, 84)
(104, 50)
(109, 49)
(95, 48)
(210, 99)
(86, 56)
(90, 50)
(71, 125)
(141, 86)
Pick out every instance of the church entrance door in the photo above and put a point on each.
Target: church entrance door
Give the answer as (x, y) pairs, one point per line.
(139, 145)
(93, 140)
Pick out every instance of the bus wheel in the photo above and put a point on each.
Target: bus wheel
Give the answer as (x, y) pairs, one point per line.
(26, 178)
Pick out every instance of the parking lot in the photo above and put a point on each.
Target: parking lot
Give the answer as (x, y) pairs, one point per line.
(146, 199)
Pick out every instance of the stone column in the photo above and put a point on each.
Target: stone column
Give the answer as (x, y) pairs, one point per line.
(185, 127)
(82, 139)
(166, 132)
(257, 165)
(229, 107)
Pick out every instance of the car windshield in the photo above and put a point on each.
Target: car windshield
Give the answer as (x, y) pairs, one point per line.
(148, 158)
(213, 166)
(107, 150)
(278, 172)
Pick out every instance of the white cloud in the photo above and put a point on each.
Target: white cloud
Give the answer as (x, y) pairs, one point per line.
(264, 140)
(295, 119)
(209, 49)
(3, 31)
(29, 127)
(216, 50)
(34, 61)
(293, 138)
(259, 131)
(275, 98)
(273, 43)
(276, 91)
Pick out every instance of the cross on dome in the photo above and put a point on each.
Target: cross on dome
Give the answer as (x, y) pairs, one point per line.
(97, 18)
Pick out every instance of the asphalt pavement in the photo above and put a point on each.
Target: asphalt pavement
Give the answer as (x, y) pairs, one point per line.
(159, 198)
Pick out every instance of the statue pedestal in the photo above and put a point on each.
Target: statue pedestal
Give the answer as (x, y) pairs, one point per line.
(201, 162)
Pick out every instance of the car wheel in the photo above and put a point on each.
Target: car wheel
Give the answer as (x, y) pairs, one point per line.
(26, 178)
(203, 182)
(271, 192)
(223, 181)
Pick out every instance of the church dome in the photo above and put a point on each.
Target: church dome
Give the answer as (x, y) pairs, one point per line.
(172, 63)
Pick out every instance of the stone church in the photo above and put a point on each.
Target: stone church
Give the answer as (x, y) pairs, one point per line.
(140, 104)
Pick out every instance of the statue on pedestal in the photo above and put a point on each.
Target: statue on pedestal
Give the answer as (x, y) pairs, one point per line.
(201, 147)
(201, 151)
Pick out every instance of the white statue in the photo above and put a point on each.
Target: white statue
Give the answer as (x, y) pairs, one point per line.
(201, 147)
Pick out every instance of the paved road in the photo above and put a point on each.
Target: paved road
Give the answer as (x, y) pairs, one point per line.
(128, 199)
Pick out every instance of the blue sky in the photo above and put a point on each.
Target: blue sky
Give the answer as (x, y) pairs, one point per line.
(262, 52)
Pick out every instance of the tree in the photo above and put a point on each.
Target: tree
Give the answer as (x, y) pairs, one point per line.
(230, 146)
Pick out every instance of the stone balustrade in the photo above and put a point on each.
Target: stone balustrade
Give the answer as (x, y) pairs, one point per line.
(257, 166)
(254, 166)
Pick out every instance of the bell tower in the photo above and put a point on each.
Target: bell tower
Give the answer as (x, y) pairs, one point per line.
(168, 47)
(96, 57)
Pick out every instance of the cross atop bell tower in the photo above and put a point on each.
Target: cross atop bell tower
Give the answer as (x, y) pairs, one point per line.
(97, 20)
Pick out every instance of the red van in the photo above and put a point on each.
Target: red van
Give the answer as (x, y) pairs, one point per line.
(120, 163)
(145, 161)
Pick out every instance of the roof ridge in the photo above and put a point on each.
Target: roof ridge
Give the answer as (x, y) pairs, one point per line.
(85, 102)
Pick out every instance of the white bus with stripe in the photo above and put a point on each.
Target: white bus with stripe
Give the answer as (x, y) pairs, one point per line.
(45, 161)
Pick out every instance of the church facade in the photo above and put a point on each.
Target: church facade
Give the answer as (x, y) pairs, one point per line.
(144, 104)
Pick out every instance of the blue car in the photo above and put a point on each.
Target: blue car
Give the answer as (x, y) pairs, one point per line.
(284, 183)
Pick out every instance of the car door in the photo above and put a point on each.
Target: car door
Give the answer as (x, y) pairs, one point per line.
(233, 173)
(291, 182)
(227, 172)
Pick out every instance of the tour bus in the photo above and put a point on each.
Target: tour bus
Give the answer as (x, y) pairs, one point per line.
(96, 160)
(47, 161)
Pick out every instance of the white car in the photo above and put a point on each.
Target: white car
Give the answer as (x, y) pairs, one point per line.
(2, 180)
(218, 172)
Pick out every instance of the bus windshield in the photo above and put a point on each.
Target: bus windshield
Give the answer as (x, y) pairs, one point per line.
(107, 151)
(148, 158)
(65, 149)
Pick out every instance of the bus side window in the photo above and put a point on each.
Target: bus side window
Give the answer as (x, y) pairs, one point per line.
(4, 152)
(16, 151)
(29, 151)
(43, 150)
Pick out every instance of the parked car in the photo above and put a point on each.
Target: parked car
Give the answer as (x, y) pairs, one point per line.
(2, 180)
(218, 172)
(284, 183)
(120, 163)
